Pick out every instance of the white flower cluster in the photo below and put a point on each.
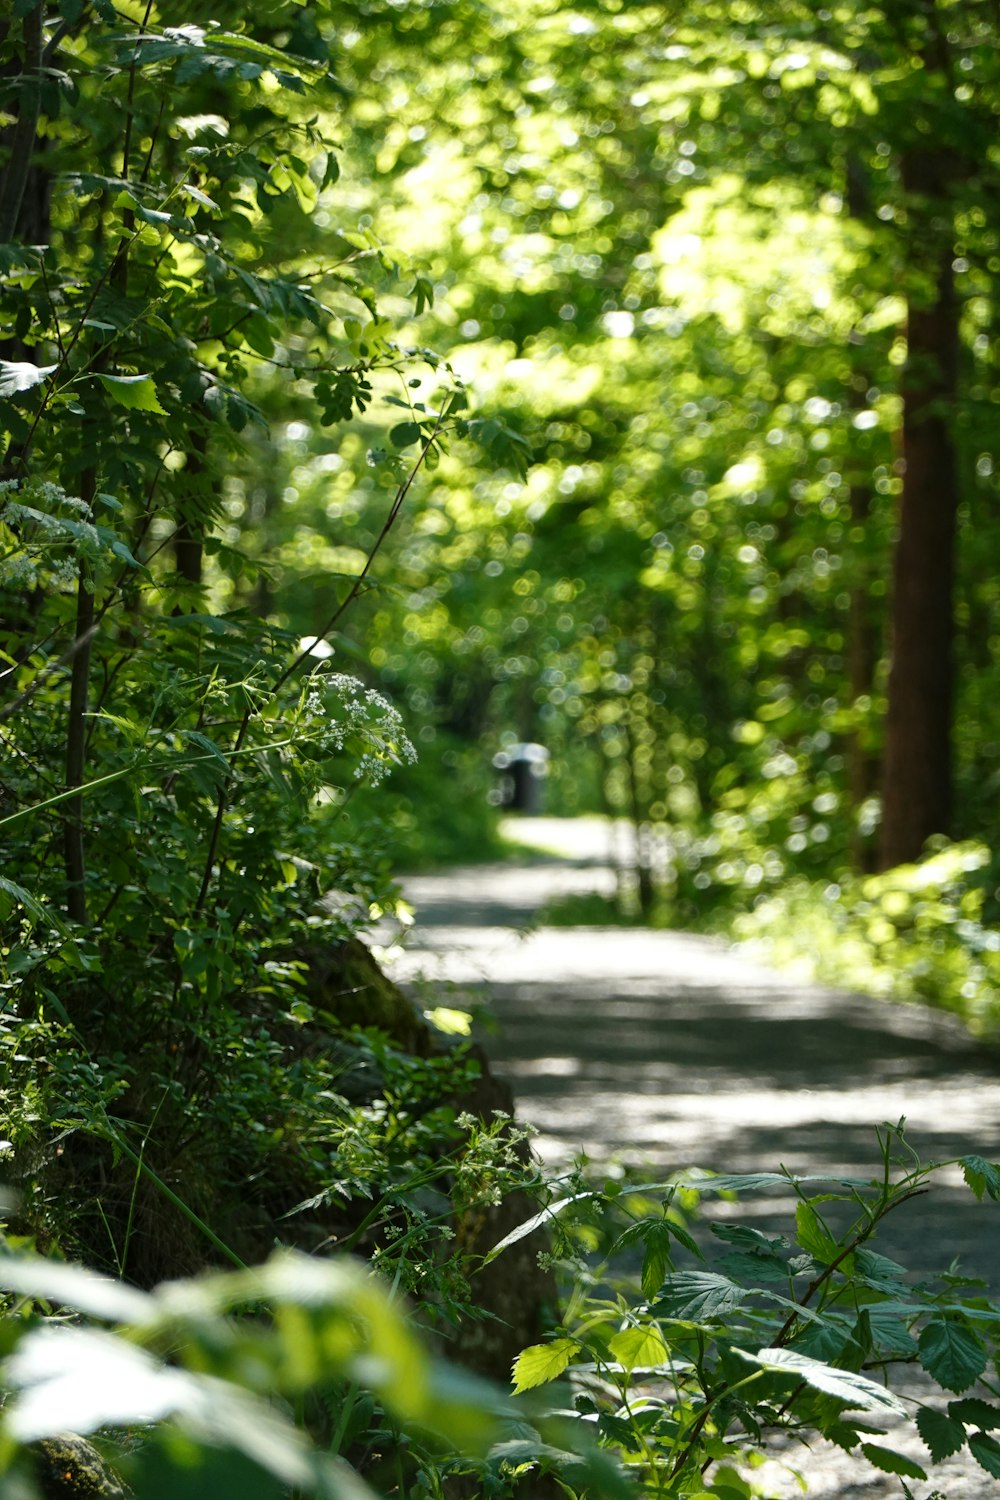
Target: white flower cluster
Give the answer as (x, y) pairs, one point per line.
(53, 530)
(364, 713)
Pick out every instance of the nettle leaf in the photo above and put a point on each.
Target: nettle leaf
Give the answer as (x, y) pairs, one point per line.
(982, 1176)
(19, 375)
(942, 1434)
(986, 1451)
(853, 1390)
(891, 1462)
(696, 1296)
(541, 1363)
(135, 392)
(972, 1411)
(952, 1353)
(746, 1267)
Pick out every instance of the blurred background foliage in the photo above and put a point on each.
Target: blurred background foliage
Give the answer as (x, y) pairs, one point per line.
(679, 256)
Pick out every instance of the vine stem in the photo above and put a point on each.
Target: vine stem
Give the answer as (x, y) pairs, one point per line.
(224, 790)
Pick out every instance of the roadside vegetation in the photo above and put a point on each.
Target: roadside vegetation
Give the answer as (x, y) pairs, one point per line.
(382, 386)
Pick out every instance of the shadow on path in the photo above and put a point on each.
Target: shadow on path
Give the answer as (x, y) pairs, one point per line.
(663, 1050)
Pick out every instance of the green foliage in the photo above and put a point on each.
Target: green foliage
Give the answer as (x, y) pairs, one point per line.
(917, 932)
(689, 1375)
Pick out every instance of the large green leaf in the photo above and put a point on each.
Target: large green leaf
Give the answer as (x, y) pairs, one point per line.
(643, 1346)
(974, 1412)
(135, 392)
(850, 1388)
(698, 1296)
(952, 1353)
(942, 1434)
(891, 1462)
(986, 1451)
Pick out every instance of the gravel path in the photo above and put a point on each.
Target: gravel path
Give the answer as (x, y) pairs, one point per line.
(664, 1050)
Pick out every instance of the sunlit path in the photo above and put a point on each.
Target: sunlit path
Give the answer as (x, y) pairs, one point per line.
(667, 1049)
(663, 1050)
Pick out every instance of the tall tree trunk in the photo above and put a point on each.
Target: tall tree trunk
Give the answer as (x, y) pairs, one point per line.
(917, 771)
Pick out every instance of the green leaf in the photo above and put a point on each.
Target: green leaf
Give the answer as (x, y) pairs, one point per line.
(656, 1259)
(986, 1451)
(696, 1296)
(974, 1412)
(530, 1225)
(982, 1176)
(74, 1287)
(541, 1363)
(891, 1462)
(639, 1346)
(135, 392)
(813, 1236)
(405, 434)
(942, 1434)
(952, 1353)
(34, 907)
(199, 197)
(19, 375)
(853, 1390)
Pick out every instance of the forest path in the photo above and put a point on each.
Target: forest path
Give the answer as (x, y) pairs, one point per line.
(662, 1050)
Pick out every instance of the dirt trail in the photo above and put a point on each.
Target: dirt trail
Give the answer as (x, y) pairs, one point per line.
(667, 1050)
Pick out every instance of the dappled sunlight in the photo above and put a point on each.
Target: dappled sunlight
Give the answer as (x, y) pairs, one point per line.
(660, 1050)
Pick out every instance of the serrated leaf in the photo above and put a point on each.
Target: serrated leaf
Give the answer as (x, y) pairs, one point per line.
(891, 1462)
(656, 1259)
(942, 1435)
(813, 1236)
(847, 1386)
(952, 1353)
(982, 1176)
(974, 1412)
(879, 1272)
(639, 1346)
(135, 392)
(541, 1363)
(530, 1225)
(698, 1295)
(986, 1451)
(20, 375)
(750, 1269)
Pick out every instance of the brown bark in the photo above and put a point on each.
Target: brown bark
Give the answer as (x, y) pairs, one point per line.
(917, 771)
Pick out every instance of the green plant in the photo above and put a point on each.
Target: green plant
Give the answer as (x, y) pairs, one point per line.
(919, 932)
(221, 1371)
(687, 1368)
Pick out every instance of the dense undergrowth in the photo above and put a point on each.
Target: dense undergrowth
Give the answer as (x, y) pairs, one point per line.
(293, 1199)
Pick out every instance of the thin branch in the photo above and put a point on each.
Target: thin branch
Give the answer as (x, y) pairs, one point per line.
(224, 789)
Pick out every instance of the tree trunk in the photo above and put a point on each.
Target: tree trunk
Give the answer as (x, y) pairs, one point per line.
(917, 770)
